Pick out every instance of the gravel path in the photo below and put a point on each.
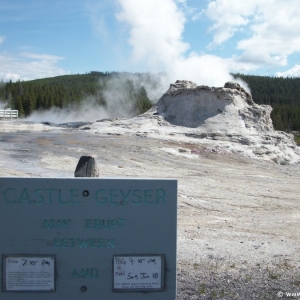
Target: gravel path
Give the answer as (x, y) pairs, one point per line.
(238, 219)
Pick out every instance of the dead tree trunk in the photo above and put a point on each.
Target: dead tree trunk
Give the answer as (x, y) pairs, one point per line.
(87, 167)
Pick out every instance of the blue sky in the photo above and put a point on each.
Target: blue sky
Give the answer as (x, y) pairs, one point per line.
(197, 40)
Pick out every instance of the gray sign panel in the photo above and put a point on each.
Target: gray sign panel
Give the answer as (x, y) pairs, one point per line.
(86, 226)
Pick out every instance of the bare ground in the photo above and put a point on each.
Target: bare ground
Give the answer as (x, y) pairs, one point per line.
(238, 219)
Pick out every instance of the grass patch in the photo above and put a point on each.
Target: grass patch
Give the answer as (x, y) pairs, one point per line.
(214, 294)
(201, 289)
(196, 265)
(296, 282)
(297, 137)
(273, 275)
(222, 294)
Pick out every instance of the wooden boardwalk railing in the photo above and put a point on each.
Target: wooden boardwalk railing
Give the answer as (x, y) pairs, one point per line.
(9, 114)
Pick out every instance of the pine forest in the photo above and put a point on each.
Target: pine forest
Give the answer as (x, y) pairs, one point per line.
(283, 94)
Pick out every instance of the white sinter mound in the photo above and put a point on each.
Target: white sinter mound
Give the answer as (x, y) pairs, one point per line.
(222, 117)
(228, 110)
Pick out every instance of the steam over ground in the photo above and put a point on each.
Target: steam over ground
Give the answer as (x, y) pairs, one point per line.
(116, 97)
(158, 44)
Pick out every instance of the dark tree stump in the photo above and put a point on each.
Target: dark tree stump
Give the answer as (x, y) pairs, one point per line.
(87, 167)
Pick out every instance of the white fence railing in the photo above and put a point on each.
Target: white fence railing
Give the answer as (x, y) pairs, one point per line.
(9, 114)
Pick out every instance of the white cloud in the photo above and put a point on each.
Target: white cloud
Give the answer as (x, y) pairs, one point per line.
(41, 57)
(97, 13)
(186, 8)
(272, 27)
(2, 38)
(156, 28)
(28, 66)
(293, 72)
(228, 16)
(198, 15)
(155, 34)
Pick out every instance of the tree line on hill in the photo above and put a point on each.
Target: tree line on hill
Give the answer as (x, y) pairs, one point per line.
(283, 94)
(74, 90)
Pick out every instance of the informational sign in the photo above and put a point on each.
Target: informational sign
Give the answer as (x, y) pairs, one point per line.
(69, 233)
(139, 273)
(29, 273)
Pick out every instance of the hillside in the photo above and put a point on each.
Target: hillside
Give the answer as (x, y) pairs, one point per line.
(72, 91)
(283, 94)
(126, 92)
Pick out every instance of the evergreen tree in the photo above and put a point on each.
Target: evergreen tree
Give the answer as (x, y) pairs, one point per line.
(19, 106)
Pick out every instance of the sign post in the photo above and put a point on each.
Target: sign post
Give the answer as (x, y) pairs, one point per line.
(88, 238)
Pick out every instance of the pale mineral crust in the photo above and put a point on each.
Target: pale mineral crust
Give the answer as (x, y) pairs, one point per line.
(225, 114)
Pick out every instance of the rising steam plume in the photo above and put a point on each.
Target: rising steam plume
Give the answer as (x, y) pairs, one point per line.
(156, 36)
(117, 99)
